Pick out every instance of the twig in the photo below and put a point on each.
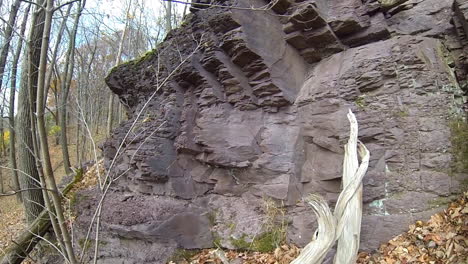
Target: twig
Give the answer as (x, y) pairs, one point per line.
(97, 214)
(23, 190)
(50, 243)
(262, 8)
(64, 4)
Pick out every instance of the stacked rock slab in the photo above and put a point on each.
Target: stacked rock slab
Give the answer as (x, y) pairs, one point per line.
(258, 113)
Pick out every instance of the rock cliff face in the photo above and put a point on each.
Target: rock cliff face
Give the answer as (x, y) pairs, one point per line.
(252, 108)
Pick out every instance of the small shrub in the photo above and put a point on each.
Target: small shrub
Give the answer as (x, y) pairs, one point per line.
(361, 102)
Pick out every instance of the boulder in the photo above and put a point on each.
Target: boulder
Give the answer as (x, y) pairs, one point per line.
(256, 115)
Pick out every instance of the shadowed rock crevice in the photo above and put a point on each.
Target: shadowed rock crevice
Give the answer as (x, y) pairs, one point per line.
(259, 113)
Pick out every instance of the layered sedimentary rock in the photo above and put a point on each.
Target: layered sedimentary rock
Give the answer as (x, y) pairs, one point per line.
(241, 107)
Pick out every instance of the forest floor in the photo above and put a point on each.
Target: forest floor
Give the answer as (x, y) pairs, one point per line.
(12, 212)
(441, 240)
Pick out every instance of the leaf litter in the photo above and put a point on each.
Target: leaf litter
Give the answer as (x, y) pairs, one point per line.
(442, 239)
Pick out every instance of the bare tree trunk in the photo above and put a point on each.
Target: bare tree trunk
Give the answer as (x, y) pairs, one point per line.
(120, 112)
(11, 107)
(31, 156)
(168, 16)
(69, 66)
(48, 171)
(110, 114)
(2, 139)
(185, 12)
(53, 59)
(8, 36)
(33, 200)
(1, 181)
(78, 142)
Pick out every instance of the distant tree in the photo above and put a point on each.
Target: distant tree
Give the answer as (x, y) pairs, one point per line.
(168, 16)
(110, 115)
(68, 74)
(11, 107)
(8, 37)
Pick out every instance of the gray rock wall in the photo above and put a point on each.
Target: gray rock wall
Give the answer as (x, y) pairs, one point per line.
(258, 114)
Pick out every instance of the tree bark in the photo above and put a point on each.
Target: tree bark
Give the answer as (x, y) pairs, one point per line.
(110, 114)
(33, 201)
(53, 59)
(8, 36)
(168, 16)
(1, 181)
(69, 66)
(44, 145)
(2, 139)
(11, 107)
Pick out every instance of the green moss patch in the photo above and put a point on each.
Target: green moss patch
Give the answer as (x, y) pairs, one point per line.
(241, 243)
(459, 140)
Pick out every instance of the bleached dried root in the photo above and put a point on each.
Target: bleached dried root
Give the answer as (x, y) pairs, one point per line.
(344, 225)
(324, 237)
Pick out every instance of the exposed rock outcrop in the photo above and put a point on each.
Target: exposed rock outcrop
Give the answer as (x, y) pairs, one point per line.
(258, 112)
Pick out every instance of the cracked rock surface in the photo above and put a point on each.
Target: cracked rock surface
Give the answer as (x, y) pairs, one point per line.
(258, 113)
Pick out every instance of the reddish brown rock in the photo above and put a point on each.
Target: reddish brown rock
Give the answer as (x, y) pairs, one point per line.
(259, 113)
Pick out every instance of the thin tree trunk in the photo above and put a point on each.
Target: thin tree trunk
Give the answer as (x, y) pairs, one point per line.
(34, 53)
(185, 11)
(54, 54)
(174, 16)
(8, 36)
(78, 142)
(110, 114)
(57, 114)
(119, 111)
(48, 171)
(11, 107)
(168, 16)
(1, 181)
(69, 66)
(2, 139)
